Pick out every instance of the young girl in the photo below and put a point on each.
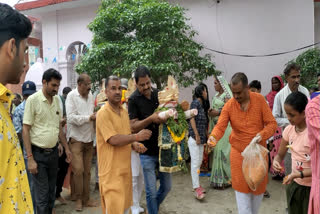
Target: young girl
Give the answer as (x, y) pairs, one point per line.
(295, 137)
(197, 138)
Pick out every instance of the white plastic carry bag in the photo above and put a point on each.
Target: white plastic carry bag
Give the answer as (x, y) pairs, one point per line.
(255, 163)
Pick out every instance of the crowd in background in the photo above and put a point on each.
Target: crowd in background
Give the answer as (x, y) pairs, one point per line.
(43, 134)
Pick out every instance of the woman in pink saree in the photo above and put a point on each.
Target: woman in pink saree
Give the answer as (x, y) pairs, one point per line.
(313, 124)
(276, 85)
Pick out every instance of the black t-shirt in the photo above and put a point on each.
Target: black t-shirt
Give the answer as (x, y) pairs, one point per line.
(140, 107)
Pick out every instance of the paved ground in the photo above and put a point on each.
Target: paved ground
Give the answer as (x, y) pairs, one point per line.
(181, 200)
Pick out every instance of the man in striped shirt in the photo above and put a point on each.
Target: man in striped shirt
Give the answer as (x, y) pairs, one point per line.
(313, 124)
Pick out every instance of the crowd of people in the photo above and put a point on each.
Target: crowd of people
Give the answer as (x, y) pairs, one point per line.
(43, 134)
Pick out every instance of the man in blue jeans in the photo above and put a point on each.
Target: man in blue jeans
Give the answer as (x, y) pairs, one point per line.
(28, 88)
(141, 105)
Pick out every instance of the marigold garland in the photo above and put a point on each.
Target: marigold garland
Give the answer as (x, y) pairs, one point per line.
(176, 138)
(177, 128)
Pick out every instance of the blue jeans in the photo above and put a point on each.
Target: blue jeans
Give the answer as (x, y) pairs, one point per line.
(154, 197)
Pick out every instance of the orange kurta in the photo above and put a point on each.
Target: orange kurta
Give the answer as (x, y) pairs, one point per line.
(114, 162)
(245, 126)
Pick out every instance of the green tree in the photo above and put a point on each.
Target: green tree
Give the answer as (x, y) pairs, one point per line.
(309, 61)
(153, 33)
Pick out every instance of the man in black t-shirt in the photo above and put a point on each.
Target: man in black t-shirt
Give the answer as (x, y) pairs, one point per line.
(142, 105)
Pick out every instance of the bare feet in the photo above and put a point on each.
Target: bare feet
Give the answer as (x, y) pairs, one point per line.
(91, 203)
(79, 205)
(62, 200)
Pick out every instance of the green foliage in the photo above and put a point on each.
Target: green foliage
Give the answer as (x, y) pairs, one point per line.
(153, 33)
(177, 126)
(309, 61)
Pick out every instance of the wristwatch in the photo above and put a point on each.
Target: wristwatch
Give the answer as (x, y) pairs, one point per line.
(301, 173)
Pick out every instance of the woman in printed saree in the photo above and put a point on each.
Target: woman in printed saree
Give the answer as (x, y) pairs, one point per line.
(220, 173)
(274, 143)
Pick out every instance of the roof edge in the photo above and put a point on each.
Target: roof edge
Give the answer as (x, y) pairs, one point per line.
(37, 4)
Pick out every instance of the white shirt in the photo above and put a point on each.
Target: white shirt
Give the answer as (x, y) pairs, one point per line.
(278, 105)
(79, 110)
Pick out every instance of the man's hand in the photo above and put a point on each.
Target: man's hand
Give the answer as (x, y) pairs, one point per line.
(143, 135)
(60, 149)
(213, 113)
(156, 119)
(212, 142)
(93, 117)
(63, 122)
(32, 166)
(259, 138)
(198, 139)
(69, 155)
(139, 147)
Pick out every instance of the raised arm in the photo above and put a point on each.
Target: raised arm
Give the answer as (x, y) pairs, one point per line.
(138, 125)
(121, 140)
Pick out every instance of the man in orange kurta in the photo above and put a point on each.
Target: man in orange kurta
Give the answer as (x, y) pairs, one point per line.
(114, 142)
(249, 115)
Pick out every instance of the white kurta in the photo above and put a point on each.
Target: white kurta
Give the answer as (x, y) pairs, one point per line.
(137, 181)
(278, 106)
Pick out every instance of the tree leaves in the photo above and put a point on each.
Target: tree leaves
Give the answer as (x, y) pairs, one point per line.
(153, 33)
(309, 61)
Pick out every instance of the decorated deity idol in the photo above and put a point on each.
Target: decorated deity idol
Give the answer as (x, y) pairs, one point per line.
(173, 135)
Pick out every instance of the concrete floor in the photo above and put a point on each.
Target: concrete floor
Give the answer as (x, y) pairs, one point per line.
(181, 200)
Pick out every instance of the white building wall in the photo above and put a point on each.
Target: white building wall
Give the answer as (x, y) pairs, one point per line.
(317, 22)
(241, 27)
(49, 39)
(60, 29)
(251, 27)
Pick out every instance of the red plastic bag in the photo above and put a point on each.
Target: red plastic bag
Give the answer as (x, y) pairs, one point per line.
(255, 163)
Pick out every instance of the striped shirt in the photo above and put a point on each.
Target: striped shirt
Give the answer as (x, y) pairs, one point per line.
(313, 123)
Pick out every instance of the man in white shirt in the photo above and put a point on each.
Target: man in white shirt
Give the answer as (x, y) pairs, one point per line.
(292, 76)
(80, 134)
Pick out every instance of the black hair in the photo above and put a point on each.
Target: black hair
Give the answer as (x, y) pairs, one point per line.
(206, 103)
(290, 67)
(198, 94)
(239, 77)
(13, 24)
(255, 84)
(313, 89)
(66, 90)
(141, 71)
(82, 78)
(50, 74)
(112, 77)
(18, 96)
(318, 75)
(297, 100)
